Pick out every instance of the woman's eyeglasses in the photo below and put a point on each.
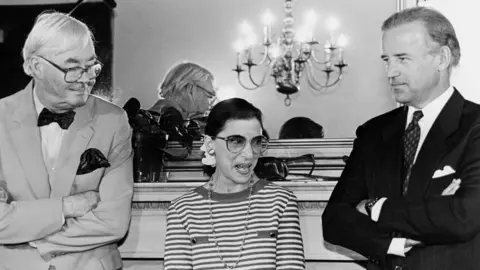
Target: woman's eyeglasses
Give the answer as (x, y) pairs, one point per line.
(236, 143)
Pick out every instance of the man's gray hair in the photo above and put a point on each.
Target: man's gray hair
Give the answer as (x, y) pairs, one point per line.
(180, 76)
(54, 32)
(439, 28)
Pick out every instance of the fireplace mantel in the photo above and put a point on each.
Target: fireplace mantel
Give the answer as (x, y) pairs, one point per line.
(143, 247)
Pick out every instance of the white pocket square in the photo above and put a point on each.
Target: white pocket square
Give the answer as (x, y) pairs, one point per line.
(446, 171)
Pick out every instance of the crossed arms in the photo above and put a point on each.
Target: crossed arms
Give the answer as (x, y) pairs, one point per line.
(92, 219)
(431, 220)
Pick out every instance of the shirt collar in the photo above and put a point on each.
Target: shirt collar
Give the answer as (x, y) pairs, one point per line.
(433, 109)
(38, 105)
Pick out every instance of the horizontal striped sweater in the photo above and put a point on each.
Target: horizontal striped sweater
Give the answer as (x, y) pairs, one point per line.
(273, 238)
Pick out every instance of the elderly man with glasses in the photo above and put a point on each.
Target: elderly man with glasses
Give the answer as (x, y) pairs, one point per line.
(66, 179)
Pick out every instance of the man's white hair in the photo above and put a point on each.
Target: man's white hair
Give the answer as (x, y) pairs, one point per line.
(54, 32)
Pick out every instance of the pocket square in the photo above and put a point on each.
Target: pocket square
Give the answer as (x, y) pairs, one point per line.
(445, 171)
(91, 160)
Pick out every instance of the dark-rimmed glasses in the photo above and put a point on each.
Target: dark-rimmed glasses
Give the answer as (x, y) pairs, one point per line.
(236, 143)
(72, 75)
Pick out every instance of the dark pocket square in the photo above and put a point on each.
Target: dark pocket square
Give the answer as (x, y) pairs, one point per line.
(91, 160)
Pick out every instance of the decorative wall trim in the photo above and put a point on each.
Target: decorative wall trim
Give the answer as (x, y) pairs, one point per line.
(150, 206)
(163, 206)
(404, 4)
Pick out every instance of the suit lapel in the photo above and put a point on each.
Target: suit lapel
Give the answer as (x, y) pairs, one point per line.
(26, 138)
(391, 159)
(73, 145)
(436, 145)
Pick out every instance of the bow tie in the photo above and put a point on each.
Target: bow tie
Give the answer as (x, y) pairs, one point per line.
(64, 120)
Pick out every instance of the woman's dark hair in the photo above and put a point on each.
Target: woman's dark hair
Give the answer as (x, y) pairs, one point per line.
(301, 128)
(228, 110)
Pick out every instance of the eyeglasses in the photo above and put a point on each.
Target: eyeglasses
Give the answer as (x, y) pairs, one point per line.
(208, 93)
(74, 74)
(236, 143)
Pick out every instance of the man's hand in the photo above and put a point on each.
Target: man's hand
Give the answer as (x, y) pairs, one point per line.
(79, 204)
(452, 188)
(361, 207)
(409, 243)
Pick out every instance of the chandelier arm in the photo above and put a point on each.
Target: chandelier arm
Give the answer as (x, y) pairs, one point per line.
(316, 59)
(315, 84)
(317, 66)
(251, 77)
(244, 86)
(265, 55)
(265, 77)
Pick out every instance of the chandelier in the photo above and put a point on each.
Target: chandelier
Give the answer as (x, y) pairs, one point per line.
(291, 54)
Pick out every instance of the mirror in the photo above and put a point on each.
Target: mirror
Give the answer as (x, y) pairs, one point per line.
(151, 36)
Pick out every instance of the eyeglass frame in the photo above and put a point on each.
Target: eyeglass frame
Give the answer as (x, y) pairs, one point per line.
(66, 70)
(211, 96)
(228, 137)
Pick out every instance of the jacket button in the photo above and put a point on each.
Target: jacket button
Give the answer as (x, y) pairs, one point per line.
(272, 234)
(194, 241)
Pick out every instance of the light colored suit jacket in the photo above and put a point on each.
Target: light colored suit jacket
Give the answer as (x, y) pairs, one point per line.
(33, 210)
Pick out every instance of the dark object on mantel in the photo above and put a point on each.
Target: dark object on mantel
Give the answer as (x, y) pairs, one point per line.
(152, 131)
(148, 157)
(277, 169)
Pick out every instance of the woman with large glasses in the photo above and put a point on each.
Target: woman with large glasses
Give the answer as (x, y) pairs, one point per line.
(235, 220)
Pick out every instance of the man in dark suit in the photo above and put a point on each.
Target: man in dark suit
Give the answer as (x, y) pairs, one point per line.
(409, 196)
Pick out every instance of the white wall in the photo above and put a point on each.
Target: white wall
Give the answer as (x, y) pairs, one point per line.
(465, 18)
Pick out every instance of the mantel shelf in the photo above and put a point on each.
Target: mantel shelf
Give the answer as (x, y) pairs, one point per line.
(165, 192)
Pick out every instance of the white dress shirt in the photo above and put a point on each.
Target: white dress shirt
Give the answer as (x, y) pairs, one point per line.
(51, 137)
(430, 114)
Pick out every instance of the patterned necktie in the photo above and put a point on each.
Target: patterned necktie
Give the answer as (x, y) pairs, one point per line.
(411, 137)
(64, 120)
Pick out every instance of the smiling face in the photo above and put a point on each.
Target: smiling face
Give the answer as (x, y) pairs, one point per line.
(58, 94)
(236, 168)
(412, 67)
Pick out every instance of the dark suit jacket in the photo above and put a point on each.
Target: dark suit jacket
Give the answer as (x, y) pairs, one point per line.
(447, 225)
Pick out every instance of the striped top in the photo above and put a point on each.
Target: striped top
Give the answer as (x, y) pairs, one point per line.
(273, 237)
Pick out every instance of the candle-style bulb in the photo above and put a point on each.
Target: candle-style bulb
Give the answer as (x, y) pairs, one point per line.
(342, 41)
(311, 17)
(267, 17)
(332, 24)
(246, 28)
(251, 39)
(238, 45)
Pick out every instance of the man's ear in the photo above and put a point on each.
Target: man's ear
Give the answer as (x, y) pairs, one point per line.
(36, 68)
(209, 144)
(444, 58)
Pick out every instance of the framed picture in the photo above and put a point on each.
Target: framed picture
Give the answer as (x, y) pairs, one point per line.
(403, 4)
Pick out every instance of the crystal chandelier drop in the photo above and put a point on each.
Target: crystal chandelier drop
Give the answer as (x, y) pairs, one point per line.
(291, 55)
